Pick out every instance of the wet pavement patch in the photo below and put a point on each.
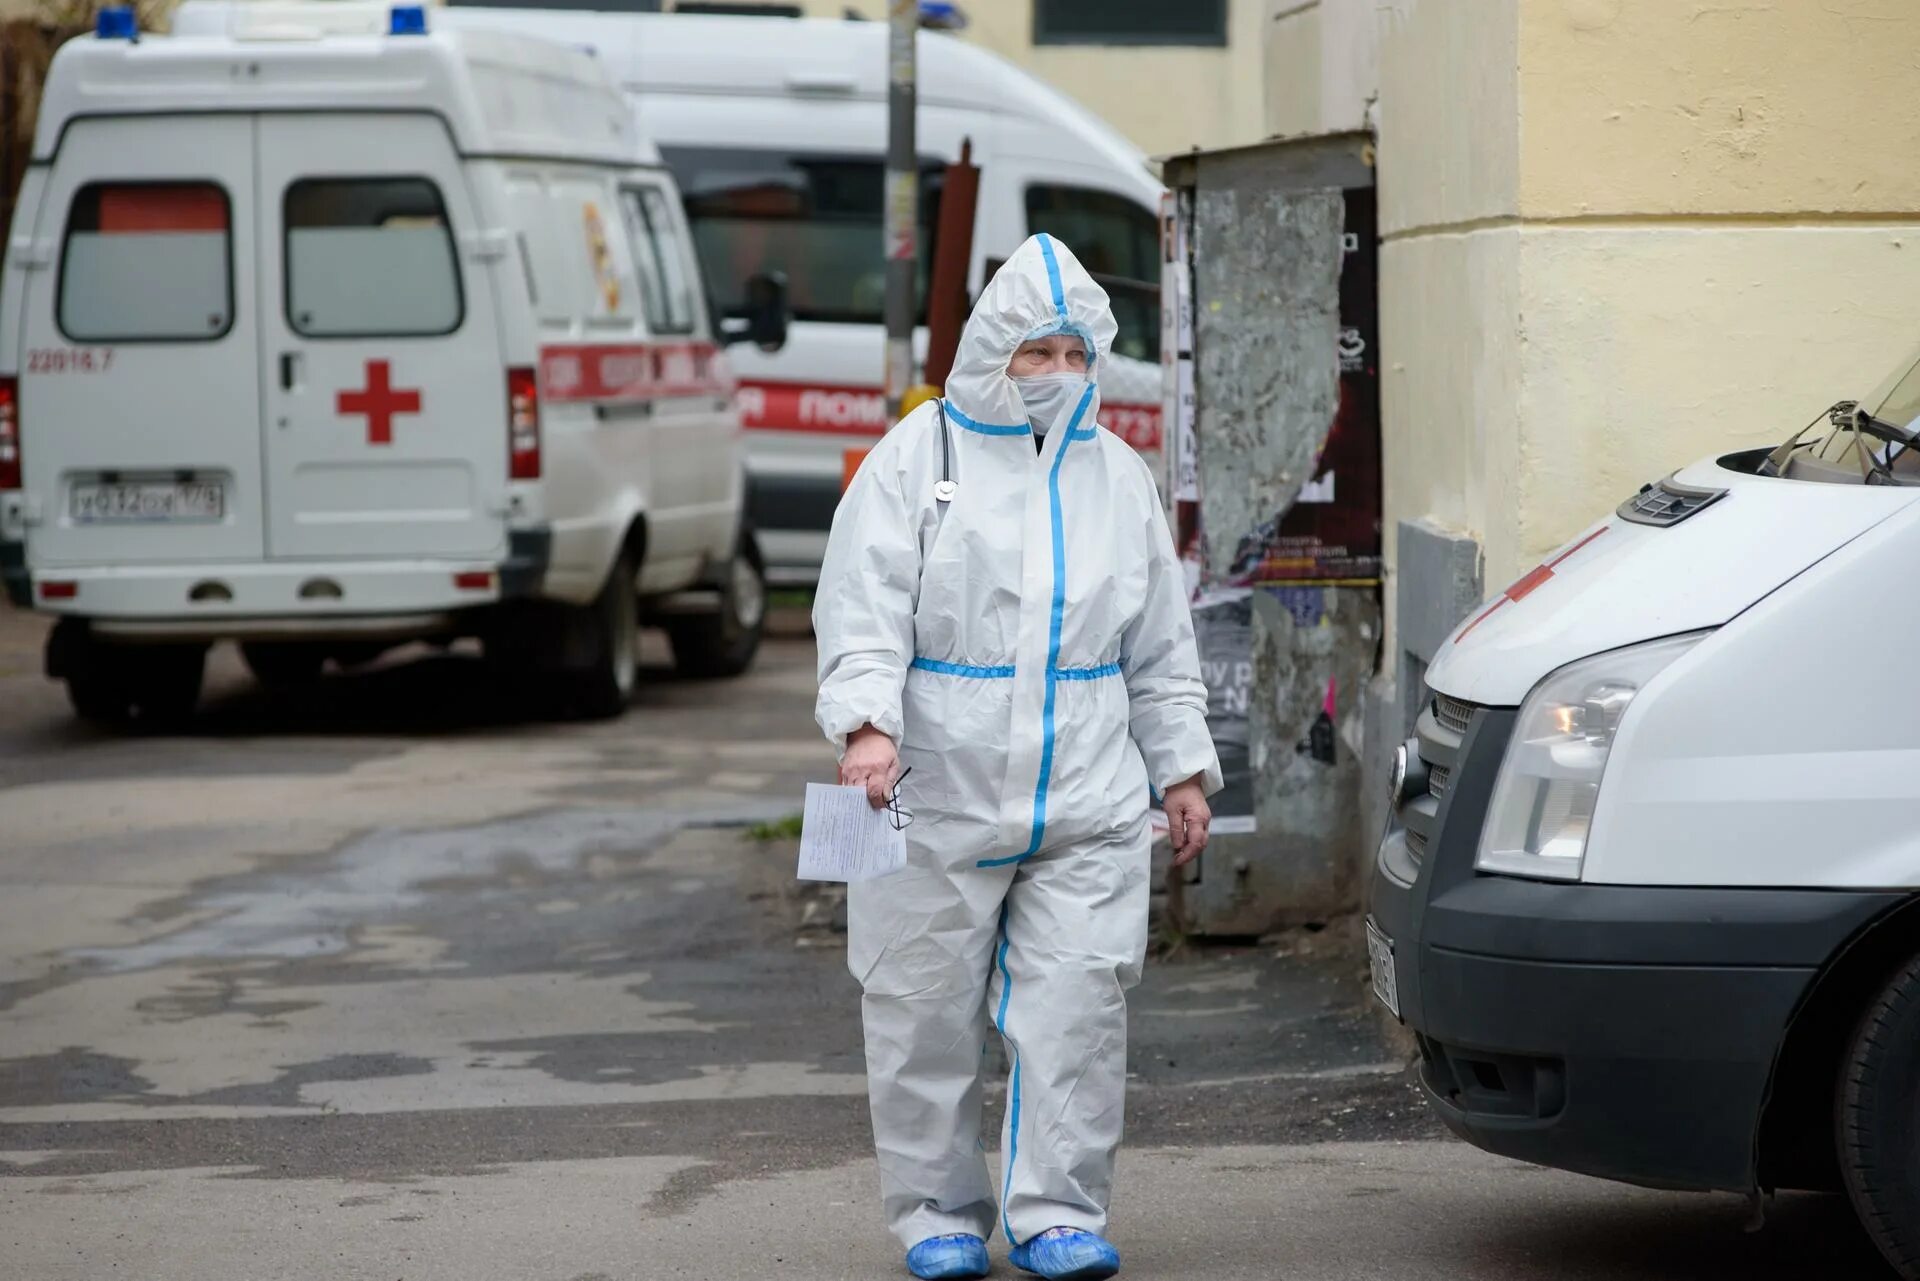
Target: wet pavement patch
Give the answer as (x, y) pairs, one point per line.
(302, 908)
(74, 1075)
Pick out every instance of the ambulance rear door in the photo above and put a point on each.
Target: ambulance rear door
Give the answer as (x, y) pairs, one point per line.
(386, 392)
(140, 364)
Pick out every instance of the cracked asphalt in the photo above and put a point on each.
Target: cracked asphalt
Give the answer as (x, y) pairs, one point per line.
(387, 978)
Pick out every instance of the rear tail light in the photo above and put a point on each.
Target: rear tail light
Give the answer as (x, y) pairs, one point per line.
(9, 433)
(523, 424)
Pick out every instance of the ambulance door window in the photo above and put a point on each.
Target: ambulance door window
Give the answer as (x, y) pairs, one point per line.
(611, 256)
(147, 261)
(663, 252)
(583, 229)
(814, 218)
(1118, 242)
(370, 258)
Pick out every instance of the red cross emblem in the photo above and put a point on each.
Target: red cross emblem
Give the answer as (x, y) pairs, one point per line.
(379, 402)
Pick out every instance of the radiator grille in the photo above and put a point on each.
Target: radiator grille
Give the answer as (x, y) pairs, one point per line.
(1452, 713)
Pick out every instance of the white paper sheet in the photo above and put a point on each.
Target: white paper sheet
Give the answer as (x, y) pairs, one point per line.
(842, 838)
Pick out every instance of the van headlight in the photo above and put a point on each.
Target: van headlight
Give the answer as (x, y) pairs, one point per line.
(1549, 782)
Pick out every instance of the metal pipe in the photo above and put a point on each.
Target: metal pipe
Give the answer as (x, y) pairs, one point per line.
(903, 199)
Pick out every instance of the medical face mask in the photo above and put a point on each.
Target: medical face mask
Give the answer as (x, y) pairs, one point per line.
(1047, 396)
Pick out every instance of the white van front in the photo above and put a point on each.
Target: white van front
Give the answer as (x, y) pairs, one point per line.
(1651, 885)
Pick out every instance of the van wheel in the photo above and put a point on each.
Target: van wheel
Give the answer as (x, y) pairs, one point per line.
(724, 644)
(99, 697)
(149, 686)
(283, 663)
(602, 648)
(1879, 1120)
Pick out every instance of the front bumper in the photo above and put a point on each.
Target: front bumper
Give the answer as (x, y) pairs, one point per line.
(1622, 1031)
(266, 598)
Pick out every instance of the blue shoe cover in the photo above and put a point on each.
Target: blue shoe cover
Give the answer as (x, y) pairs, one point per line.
(1067, 1254)
(955, 1255)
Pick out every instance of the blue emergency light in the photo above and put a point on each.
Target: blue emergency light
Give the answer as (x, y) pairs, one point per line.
(942, 15)
(117, 23)
(407, 20)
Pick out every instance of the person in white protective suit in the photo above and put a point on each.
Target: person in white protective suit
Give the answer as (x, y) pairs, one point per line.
(1000, 610)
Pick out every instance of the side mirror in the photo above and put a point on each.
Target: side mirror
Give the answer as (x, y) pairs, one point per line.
(768, 313)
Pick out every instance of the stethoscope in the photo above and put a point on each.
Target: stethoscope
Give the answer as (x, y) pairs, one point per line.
(944, 489)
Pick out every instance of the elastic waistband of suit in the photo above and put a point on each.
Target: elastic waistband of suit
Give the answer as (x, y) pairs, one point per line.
(970, 671)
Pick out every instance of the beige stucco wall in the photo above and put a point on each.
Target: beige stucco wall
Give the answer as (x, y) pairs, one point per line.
(1322, 65)
(1621, 234)
(1165, 98)
(1648, 107)
(1291, 70)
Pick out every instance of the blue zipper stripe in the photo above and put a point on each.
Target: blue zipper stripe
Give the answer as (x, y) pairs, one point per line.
(1053, 276)
(1013, 1089)
(1053, 644)
(985, 429)
(962, 669)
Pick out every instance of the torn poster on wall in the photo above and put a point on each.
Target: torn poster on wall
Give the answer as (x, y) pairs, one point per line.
(1331, 532)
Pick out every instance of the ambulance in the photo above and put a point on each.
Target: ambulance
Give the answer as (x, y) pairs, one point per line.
(776, 129)
(1650, 893)
(331, 334)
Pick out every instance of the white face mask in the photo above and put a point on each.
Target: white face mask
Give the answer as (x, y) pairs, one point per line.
(1048, 395)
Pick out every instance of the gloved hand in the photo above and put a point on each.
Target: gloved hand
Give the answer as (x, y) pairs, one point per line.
(871, 761)
(1188, 815)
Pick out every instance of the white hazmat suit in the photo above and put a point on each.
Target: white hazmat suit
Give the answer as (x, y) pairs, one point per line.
(1028, 646)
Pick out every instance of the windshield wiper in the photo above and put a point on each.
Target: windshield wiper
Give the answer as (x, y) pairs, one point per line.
(1862, 421)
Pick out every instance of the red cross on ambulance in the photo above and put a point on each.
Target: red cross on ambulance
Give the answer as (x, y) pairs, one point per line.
(379, 401)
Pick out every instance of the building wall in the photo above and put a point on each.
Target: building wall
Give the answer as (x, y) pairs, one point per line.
(1322, 67)
(1619, 235)
(1166, 98)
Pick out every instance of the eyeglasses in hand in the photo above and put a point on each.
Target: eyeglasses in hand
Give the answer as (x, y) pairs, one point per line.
(897, 814)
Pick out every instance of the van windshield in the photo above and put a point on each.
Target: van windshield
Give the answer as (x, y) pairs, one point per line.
(1901, 405)
(816, 217)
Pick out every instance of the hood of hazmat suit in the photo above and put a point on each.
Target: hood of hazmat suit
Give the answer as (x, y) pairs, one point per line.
(1027, 644)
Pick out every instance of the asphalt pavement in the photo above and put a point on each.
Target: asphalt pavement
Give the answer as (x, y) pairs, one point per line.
(389, 978)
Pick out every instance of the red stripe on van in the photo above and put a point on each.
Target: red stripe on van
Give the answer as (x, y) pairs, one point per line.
(843, 410)
(630, 371)
(834, 409)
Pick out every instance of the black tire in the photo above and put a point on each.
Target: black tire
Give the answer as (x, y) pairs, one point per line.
(280, 664)
(99, 699)
(724, 644)
(602, 647)
(147, 686)
(1878, 1122)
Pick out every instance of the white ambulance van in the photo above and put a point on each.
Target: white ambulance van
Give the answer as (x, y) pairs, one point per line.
(1650, 897)
(776, 129)
(325, 342)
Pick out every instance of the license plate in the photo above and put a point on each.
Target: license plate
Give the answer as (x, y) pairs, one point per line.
(147, 501)
(1386, 982)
